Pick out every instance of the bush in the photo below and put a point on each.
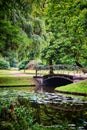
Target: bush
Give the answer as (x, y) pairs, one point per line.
(4, 64)
(12, 58)
(6, 126)
(22, 65)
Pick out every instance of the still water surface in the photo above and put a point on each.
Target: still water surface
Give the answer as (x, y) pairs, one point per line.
(50, 114)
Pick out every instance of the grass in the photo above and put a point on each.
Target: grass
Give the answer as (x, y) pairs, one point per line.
(16, 81)
(4, 73)
(20, 89)
(7, 78)
(79, 87)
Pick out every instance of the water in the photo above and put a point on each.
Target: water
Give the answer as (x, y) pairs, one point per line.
(51, 109)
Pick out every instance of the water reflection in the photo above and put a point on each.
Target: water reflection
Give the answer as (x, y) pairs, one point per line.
(44, 89)
(52, 108)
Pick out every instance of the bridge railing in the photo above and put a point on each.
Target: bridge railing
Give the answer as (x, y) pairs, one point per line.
(58, 69)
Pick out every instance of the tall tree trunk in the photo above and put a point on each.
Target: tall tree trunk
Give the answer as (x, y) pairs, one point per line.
(50, 66)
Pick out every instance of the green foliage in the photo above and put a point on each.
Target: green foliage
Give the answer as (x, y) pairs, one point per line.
(22, 65)
(20, 120)
(24, 118)
(66, 20)
(9, 36)
(18, 117)
(11, 58)
(18, 27)
(52, 29)
(6, 126)
(26, 114)
(4, 64)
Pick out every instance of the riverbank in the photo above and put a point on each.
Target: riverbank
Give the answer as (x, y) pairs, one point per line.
(16, 81)
(78, 88)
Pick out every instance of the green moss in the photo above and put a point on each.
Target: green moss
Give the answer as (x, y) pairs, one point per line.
(80, 87)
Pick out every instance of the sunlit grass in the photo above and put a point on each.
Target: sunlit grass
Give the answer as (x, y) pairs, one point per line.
(80, 87)
(28, 89)
(9, 78)
(16, 81)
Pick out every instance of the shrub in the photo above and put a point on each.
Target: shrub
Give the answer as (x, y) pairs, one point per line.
(4, 64)
(6, 126)
(12, 58)
(22, 65)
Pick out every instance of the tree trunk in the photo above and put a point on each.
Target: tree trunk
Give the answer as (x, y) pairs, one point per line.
(50, 66)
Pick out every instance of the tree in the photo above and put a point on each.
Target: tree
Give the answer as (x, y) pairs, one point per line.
(21, 29)
(10, 23)
(66, 20)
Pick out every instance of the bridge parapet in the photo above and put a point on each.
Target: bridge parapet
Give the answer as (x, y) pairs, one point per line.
(58, 69)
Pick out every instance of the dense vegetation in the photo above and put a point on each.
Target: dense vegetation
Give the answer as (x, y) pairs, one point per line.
(21, 30)
(19, 112)
(48, 30)
(67, 24)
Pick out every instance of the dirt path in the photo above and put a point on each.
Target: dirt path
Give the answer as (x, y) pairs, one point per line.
(18, 73)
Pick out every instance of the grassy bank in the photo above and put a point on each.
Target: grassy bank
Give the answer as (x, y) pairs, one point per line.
(79, 87)
(16, 81)
(15, 78)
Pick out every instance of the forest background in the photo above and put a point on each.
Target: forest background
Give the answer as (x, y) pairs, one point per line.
(49, 31)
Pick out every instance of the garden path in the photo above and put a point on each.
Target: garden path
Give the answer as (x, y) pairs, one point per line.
(19, 73)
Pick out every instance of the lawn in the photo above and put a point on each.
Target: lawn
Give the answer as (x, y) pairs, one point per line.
(15, 78)
(16, 81)
(79, 87)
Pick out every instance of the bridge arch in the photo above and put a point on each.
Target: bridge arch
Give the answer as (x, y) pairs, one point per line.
(57, 80)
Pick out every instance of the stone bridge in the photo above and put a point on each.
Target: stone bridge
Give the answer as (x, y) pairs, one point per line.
(62, 75)
(57, 80)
